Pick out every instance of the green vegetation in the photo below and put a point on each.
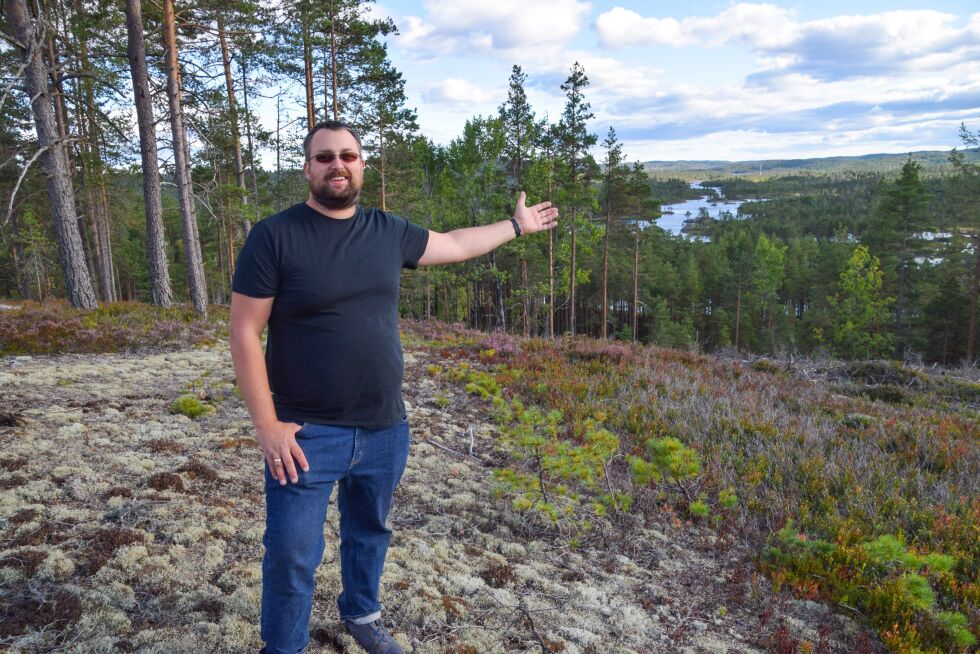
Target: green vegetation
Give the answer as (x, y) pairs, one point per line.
(849, 498)
(54, 327)
(190, 406)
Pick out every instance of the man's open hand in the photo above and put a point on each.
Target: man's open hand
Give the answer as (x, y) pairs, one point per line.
(535, 218)
(282, 452)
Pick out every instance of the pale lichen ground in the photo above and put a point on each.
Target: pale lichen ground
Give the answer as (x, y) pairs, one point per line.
(126, 528)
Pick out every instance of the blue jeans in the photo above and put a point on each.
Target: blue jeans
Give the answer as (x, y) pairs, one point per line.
(367, 465)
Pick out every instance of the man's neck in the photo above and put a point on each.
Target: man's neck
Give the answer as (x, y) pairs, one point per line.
(337, 214)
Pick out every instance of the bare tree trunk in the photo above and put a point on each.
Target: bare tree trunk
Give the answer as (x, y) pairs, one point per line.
(308, 68)
(93, 171)
(738, 312)
(381, 167)
(551, 281)
(53, 162)
(192, 244)
(527, 297)
(571, 280)
(236, 142)
(156, 247)
(20, 262)
(972, 327)
(333, 62)
(636, 276)
(605, 269)
(251, 149)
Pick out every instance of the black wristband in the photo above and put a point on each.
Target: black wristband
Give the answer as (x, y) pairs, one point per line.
(517, 228)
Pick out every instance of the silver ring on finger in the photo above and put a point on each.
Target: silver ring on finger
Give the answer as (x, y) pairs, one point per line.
(277, 461)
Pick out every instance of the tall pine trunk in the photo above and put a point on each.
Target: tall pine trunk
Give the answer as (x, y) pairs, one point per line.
(571, 279)
(972, 328)
(636, 277)
(156, 247)
(54, 163)
(308, 68)
(192, 245)
(236, 141)
(333, 62)
(605, 269)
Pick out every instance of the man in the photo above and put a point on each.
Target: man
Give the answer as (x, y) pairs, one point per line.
(326, 396)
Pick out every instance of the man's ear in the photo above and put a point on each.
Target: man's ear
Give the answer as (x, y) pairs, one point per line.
(306, 170)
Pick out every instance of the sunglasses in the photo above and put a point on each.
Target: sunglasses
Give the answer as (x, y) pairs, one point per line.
(327, 157)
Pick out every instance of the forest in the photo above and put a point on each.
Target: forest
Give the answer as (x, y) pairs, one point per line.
(100, 203)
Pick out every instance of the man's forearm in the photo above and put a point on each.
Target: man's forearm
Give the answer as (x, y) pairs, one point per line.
(252, 376)
(468, 242)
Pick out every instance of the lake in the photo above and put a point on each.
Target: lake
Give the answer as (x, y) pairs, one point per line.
(674, 215)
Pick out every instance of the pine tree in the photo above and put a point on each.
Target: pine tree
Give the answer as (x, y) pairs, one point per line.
(578, 197)
(899, 220)
(156, 254)
(859, 311)
(965, 187)
(53, 161)
(614, 183)
(521, 133)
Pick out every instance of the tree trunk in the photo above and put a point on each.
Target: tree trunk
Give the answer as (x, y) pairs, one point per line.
(636, 276)
(738, 312)
(156, 247)
(605, 269)
(333, 61)
(308, 68)
(236, 142)
(972, 327)
(192, 245)
(571, 279)
(251, 149)
(54, 163)
(381, 165)
(526, 304)
(551, 281)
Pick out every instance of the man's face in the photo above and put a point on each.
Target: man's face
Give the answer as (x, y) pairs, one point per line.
(334, 183)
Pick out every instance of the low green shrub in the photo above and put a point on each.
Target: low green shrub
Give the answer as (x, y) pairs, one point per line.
(190, 406)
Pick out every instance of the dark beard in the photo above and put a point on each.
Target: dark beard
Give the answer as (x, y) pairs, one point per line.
(345, 200)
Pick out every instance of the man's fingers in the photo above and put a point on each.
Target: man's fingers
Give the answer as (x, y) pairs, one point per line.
(297, 453)
(276, 468)
(290, 470)
(521, 199)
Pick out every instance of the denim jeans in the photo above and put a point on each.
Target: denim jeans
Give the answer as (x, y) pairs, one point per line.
(366, 464)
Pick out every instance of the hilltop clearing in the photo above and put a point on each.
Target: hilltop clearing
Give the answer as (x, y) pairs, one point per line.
(125, 526)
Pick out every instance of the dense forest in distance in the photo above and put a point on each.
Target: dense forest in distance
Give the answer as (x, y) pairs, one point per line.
(930, 161)
(864, 257)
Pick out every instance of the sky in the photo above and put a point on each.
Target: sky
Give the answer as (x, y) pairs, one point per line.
(703, 79)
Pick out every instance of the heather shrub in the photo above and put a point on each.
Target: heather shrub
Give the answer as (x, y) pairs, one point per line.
(54, 327)
(878, 465)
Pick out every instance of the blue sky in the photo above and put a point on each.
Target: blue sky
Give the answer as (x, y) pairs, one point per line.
(704, 79)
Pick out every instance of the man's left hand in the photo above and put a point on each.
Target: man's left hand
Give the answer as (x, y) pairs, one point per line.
(535, 218)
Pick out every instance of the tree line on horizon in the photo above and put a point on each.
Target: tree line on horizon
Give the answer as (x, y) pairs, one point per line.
(843, 263)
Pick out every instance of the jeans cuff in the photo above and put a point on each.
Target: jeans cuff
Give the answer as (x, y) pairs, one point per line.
(371, 617)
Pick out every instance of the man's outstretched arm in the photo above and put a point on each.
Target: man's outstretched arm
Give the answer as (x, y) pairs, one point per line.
(462, 244)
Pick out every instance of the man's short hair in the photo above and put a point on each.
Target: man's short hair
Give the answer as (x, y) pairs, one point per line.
(333, 126)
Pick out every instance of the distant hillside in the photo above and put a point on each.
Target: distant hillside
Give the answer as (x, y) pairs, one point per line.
(930, 160)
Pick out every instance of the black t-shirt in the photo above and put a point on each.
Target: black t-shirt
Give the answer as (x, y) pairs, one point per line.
(333, 352)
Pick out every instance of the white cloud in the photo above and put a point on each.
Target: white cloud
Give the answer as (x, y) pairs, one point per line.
(460, 92)
(763, 25)
(505, 26)
(841, 46)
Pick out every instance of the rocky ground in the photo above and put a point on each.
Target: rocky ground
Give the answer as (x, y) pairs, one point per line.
(124, 527)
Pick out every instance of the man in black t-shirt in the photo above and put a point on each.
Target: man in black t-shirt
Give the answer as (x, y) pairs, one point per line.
(325, 397)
